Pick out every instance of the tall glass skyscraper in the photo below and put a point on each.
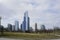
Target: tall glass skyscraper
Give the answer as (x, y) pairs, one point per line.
(25, 24)
(16, 25)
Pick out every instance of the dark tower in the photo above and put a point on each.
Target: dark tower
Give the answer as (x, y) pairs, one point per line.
(35, 27)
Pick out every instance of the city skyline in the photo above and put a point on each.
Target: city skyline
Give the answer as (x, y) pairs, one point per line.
(45, 12)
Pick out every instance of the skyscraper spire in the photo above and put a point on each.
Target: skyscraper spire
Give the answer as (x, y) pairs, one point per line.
(26, 13)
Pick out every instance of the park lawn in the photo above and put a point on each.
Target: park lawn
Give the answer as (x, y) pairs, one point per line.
(30, 35)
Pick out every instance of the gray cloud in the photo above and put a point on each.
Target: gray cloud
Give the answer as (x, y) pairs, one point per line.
(41, 11)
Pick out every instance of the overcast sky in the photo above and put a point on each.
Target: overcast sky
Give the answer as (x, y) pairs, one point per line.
(45, 12)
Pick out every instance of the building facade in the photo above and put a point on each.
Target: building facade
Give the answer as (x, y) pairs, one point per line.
(26, 22)
(9, 27)
(42, 27)
(13, 27)
(16, 25)
(35, 27)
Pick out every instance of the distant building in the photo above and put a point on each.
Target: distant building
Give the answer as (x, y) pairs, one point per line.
(16, 25)
(21, 27)
(13, 27)
(9, 27)
(36, 27)
(30, 29)
(0, 20)
(42, 27)
(26, 22)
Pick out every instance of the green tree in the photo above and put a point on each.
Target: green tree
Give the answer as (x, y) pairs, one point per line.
(1, 29)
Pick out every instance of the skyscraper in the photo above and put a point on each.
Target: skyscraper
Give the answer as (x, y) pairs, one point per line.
(16, 25)
(30, 29)
(13, 27)
(26, 22)
(35, 27)
(42, 27)
(21, 27)
(9, 27)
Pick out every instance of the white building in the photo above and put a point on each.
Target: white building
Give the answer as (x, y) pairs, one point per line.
(16, 25)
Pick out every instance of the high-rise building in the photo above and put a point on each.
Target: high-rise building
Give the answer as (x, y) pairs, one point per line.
(26, 22)
(30, 29)
(9, 27)
(13, 27)
(21, 27)
(16, 25)
(42, 27)
(35, 27)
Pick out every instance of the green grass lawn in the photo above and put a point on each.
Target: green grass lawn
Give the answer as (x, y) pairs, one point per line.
(29, 35)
